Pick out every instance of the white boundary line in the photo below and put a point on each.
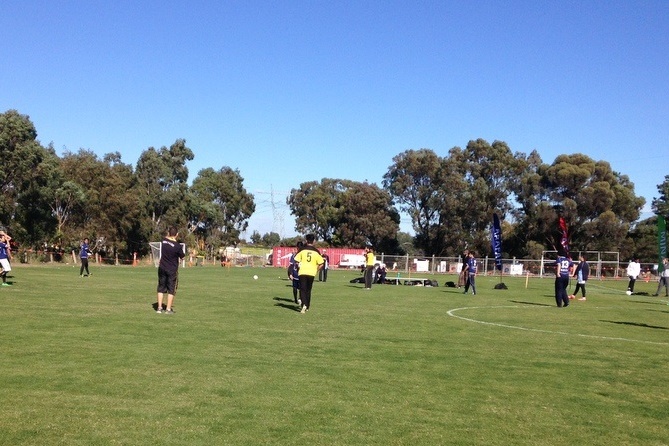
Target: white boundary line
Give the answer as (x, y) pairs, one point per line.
(537, 330)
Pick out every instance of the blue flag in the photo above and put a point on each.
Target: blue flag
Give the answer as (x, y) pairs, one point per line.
(497, 241)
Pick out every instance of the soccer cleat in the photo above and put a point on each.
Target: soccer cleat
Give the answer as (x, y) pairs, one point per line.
(169, 311)
(299, 301)
(582, 298)
(159, 310)
(303, 310)
(5, 284)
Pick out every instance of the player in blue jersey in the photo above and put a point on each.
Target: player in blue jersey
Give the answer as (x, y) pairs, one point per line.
(5, 255)
(83, 255)
(563, 271)
(470, 269)
(293, 274)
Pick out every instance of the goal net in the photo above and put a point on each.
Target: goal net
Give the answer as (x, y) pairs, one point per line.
(156, 251)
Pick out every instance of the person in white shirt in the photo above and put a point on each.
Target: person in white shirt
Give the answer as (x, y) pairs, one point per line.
(633, 271)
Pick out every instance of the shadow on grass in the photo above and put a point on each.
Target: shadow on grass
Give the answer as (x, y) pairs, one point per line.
(660, 311)
(288, 304)
(636, 324)
(531, 303)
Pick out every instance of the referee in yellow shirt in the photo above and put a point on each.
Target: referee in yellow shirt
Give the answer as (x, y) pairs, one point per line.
(310, 261)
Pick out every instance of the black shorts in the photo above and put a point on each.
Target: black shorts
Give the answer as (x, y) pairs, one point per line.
(167, 281)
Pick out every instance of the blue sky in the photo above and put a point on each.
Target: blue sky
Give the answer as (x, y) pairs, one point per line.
(295, 91)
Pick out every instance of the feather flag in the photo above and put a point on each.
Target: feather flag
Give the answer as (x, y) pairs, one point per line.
(564, 240)
(497, 241)
(661, 241)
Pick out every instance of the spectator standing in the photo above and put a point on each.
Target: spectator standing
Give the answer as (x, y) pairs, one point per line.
(462, 277)
(323, 272)
(582, 272)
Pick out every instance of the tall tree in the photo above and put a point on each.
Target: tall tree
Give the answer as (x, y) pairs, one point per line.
(345, 213)
(598, 204)
(368, 217)
(660, 205)
(532, 216)
(491, 173)
(104, 203)
(162, 180)
(223, 205)
(417, 182)
(22, 158)
(317, 207)
(451, 200)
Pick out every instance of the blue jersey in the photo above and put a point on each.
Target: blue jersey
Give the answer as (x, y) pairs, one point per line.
(471, 265)
(83, 253)
(4, 253)
(563, 267)
(293, 267)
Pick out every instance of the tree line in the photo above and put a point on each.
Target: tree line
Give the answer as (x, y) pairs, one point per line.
(54, 199)
(57, 201)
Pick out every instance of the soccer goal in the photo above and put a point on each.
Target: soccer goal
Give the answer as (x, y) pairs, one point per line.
(156, 251)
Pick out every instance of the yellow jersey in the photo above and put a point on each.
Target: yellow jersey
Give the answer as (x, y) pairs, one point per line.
(309, 260)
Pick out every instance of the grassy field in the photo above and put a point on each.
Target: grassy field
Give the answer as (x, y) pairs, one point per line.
(86, 361)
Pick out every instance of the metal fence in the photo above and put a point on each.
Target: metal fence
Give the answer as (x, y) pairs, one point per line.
(602, 265)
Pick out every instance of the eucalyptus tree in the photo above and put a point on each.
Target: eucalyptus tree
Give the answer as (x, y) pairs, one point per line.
(317, 207)
(21, 170)
(660, 205)
(421, 183)
(222, 206)
(100, 198)
(162, 191)
(598, 204)
(345, 213)
(368, 217)
(450, 200)
(491, 174)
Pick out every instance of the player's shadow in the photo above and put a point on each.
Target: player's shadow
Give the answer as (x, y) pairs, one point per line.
(287, 304)
(530, 303)
(637, 324)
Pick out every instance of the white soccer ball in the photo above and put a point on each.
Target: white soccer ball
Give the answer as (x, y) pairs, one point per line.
(628, 292)
(255, 277)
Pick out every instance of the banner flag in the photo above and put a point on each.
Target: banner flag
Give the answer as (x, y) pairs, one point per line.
(497, 241)
(564, 241)
(661, 241)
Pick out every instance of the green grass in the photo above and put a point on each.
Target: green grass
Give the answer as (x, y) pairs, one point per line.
(86, 361)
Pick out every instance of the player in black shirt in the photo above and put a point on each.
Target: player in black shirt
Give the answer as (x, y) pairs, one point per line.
(171, 253)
